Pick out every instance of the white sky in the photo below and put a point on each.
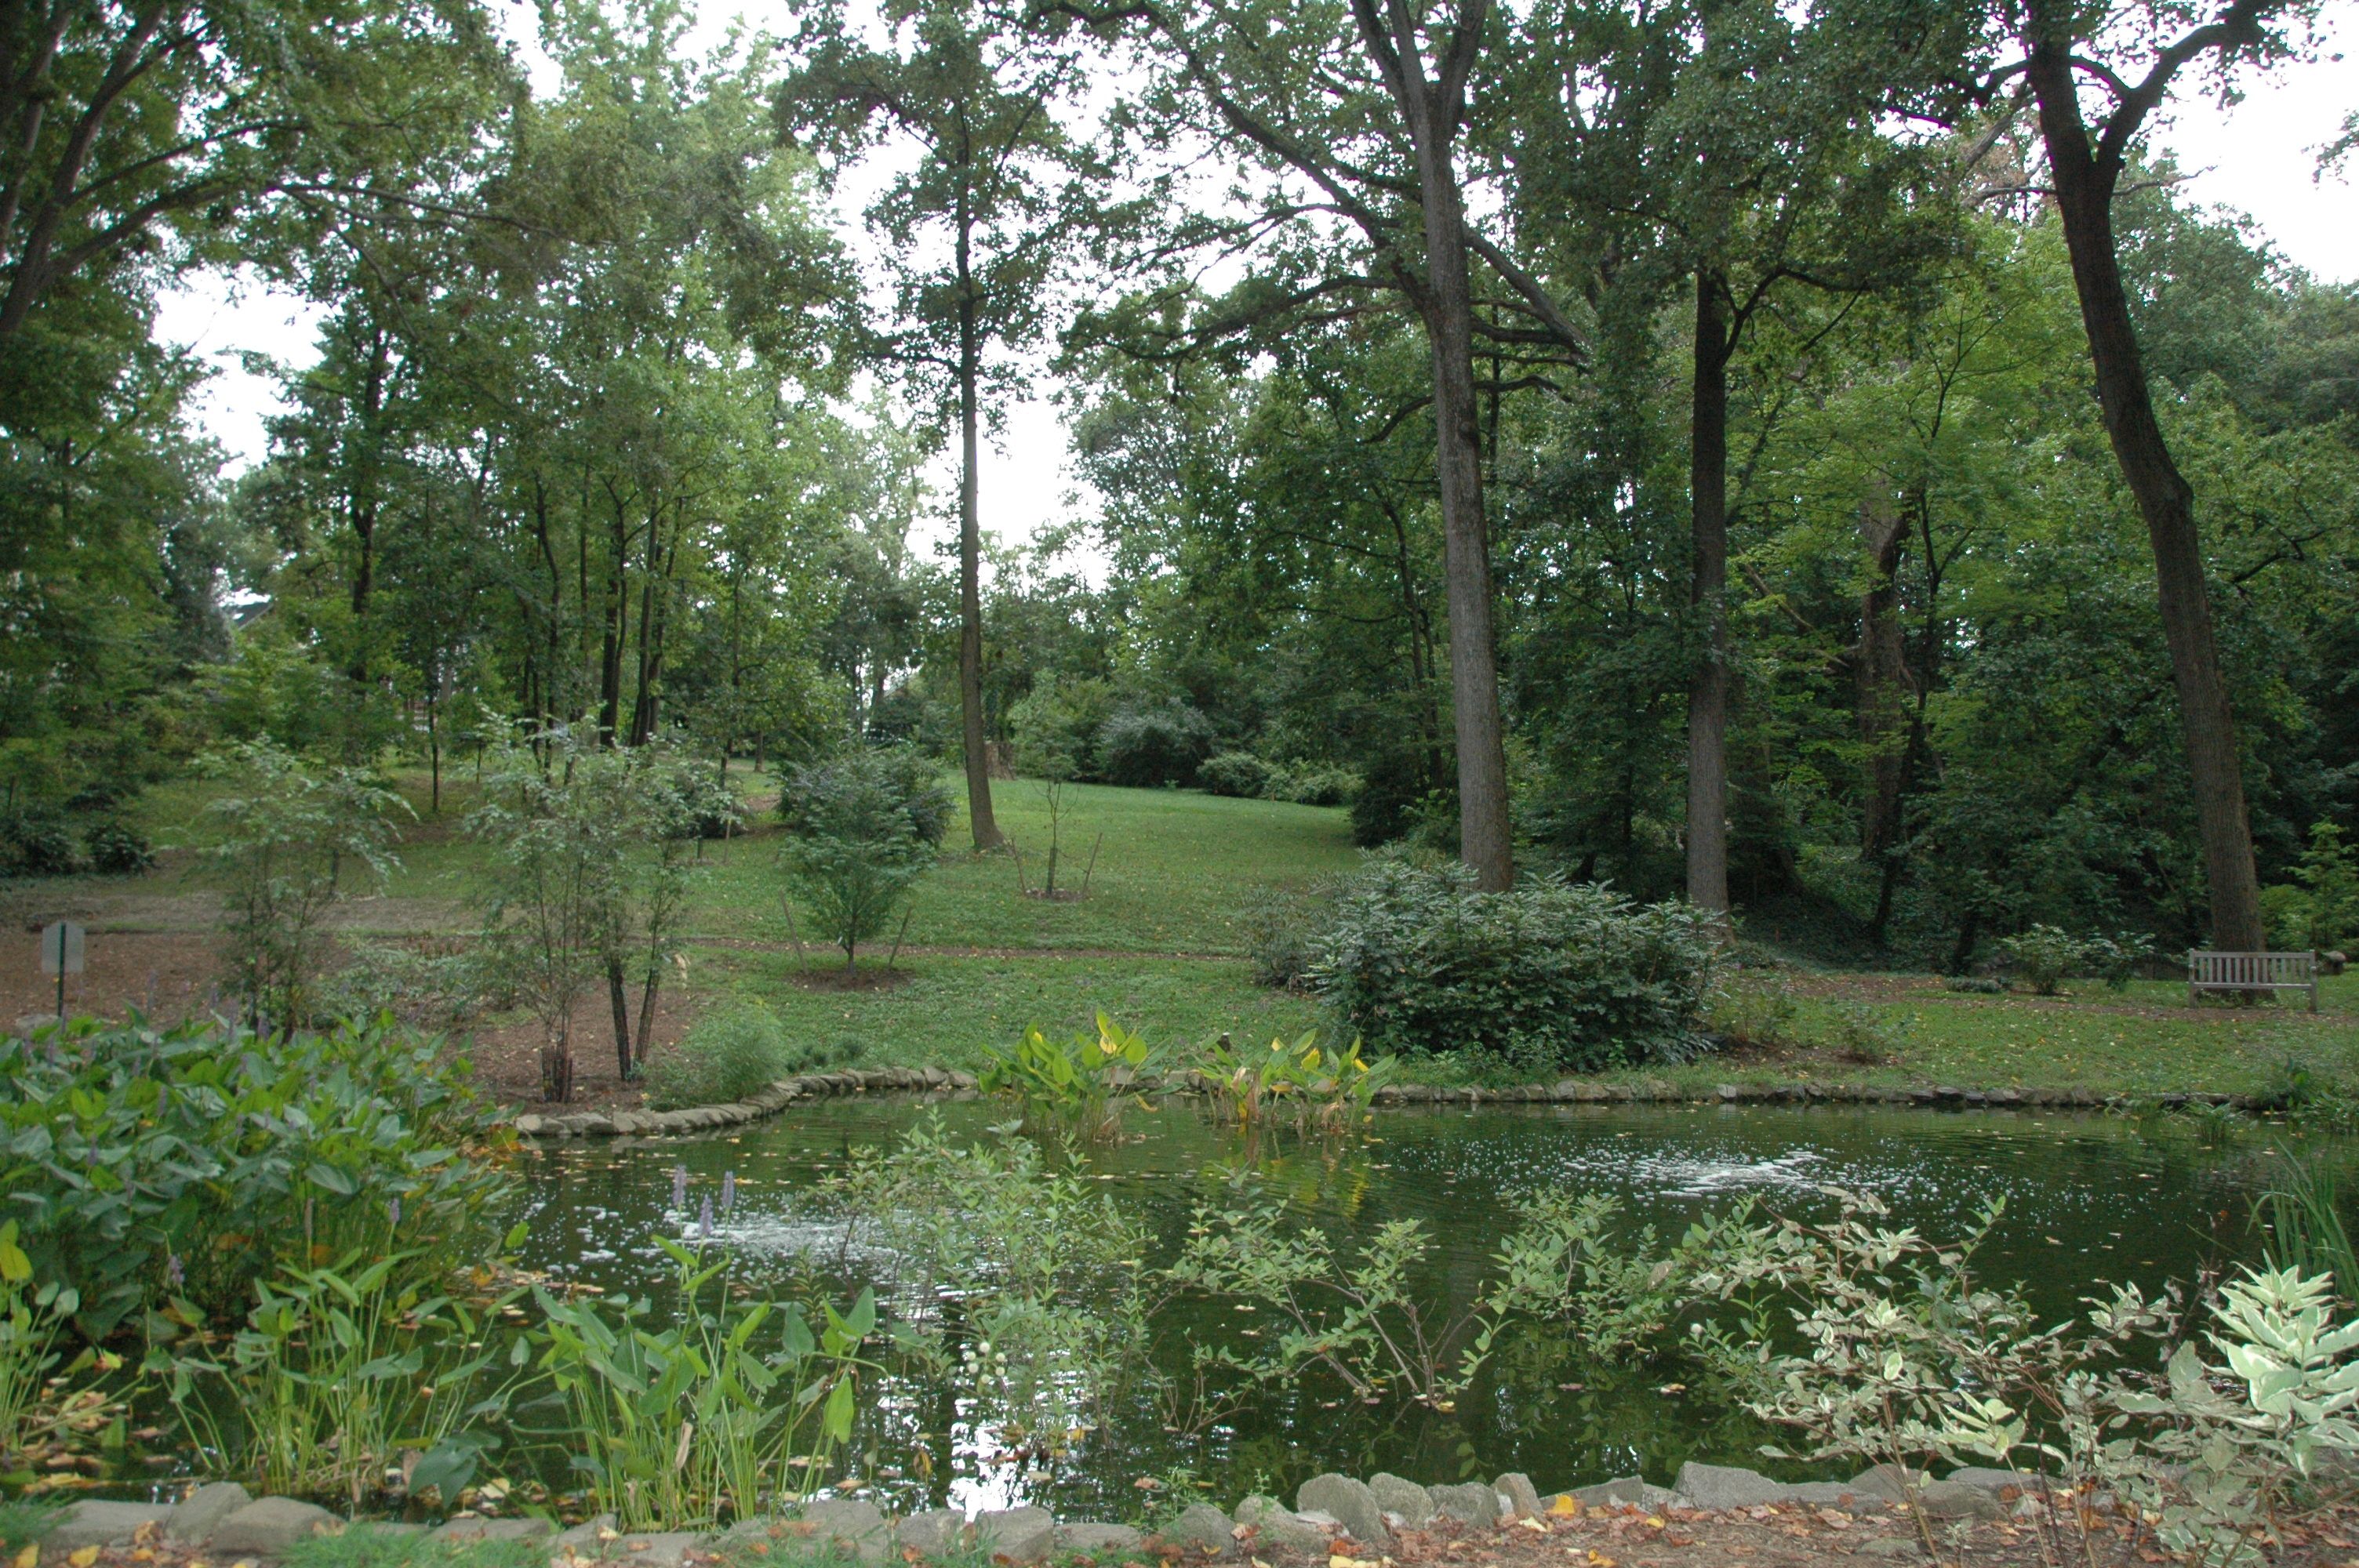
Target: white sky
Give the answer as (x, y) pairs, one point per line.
(2257, 158)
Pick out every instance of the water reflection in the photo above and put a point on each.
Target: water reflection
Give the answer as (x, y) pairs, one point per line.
(2086, 1197)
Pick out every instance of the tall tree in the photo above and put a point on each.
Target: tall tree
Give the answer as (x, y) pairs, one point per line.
(972, 229)
(2063, 49)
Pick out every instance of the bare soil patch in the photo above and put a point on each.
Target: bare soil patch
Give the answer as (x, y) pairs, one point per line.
(832, 978)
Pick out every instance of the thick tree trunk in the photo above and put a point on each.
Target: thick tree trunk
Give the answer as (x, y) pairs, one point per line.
(980, 821)
(1707, 821)
(1483, 839)
(2085, 192)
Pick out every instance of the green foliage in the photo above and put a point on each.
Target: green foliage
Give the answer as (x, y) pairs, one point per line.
(24, 1522)
(38, 843)
(725, 1056)
(2302, 1213)
(1325, 1090)
(2319, 911)
(368, 1545)
(1145, 744)
(32, 1314)
(118, 849)
(1239, 773)
(337, 1371)
(1755, 1011)
(1311, 783)
(1056, 727)
(1552, 975)
(863, 829)
(1029, 1279)
(1282, 928)
(736, 1407)
(1079, 1087)
(290, 834)
(147, 1167)
(2046, 958)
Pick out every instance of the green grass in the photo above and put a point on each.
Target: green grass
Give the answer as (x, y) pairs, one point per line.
(1173, 872)
(950, 1008)
(21, 1523)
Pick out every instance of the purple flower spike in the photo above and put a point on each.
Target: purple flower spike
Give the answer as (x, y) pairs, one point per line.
(704, 1218)
(679, 1186)
(393, 1213)
(174, 1274)
(728, 1191)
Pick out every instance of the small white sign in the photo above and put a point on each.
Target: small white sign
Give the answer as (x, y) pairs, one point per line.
(61, 948)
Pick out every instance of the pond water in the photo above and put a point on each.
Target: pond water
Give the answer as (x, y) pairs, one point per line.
(2087, 1199)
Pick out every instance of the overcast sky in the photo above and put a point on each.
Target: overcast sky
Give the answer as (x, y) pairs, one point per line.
(2258, 158)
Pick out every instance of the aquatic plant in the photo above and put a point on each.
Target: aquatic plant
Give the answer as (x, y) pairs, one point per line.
(129, 1153)
(1077, 1088)
(732, 1408)
(336, 1372)
(2302, 1212)
(1326, 1091)
(31, 1317)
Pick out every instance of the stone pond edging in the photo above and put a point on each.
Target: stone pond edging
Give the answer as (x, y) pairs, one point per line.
(1564, 1091)
(1329, 1511)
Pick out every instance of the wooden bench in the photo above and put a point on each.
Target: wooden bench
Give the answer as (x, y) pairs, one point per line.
(2252, 972)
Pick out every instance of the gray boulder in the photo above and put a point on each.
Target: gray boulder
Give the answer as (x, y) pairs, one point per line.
(2006, 1484)
(936, 1533)
(849, 1522)
(1892, 1483)
(268, 1528)
(1201, 1524)
(1727, 1486)
(1411, 1503)
(1622, 1492)
(1837, 1494)
(1352, 1504)
(93, 1523)
(584, 1538)
(492, 1529)
(1959, 1500)
(1020, 1535)
(659, 1549)
(1523, 1499)
(1278, 1527)
(1090, 1540)
(193, 1519)
(1473, 1503)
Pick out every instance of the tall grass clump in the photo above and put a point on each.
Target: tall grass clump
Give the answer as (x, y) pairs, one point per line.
(724, 1057)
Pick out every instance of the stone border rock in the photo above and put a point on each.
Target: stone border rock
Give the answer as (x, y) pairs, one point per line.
(944, 1081)
(1330, 1511)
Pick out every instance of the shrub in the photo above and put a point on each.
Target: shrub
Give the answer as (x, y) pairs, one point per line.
(864, 827)
(35, 844)
(724, 1057)
(1311, 783)
(2117, 958)
(1283, 927)
(1144, 745)
(2045, 957)
(1551, 975)
(291, 837)
(1055, 727)
(189, 1162)
(1393, 797)
(119, 850)
(1237, 773)
(2320, 910)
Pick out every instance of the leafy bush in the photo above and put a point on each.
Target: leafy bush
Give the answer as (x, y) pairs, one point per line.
(119, 850)
(1282, 930)
(1755, 1012)
(1144, 744)
(1311, 783)
(1975, 985)
(864, 827)
(36, 844)
(1055, 727)
(2319, 909)
(2117, 958)
(291, 835)
(1238, 773)
(2045, 957)
(1551, 975)
(724, 1057)
(186, 1164)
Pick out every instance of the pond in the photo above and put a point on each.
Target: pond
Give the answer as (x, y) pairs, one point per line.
(2087, 1197)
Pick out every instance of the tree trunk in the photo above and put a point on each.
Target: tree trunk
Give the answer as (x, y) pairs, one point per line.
(1707, 823)
(1880, 678)
(618, 998)
(980, 821)
(1445, 302)
(2085, 192)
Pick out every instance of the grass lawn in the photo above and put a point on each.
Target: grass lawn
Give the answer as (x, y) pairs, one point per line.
(1157, 945)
